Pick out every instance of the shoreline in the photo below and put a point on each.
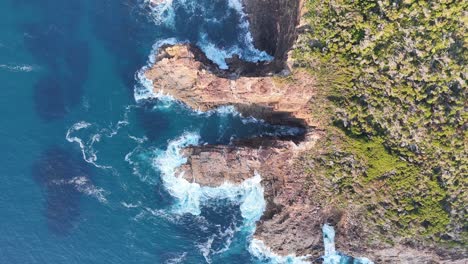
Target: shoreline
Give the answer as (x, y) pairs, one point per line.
(213, 165)
(278, 93)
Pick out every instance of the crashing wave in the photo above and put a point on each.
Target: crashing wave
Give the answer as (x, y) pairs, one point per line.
(143, 90)
(163, 13)
(332, 256)
(258, 249)
(190, 195)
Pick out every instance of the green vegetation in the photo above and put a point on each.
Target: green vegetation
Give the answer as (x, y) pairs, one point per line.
(394, 74)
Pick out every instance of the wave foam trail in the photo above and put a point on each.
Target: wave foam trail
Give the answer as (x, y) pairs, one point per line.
(177, 260)
(190, 195)
(83, 185)
(17, 68)
(87, 146)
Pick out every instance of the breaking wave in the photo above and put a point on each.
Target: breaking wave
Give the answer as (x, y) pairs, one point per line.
(332, 256)
(144, 88)
(163, 13)
(190, 195)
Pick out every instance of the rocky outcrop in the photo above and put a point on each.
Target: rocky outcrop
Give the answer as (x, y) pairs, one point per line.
(292, 222)
(184, 72)
(295, 214)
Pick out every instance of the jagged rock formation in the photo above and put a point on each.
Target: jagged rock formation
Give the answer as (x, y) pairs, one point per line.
(294, 217)
(184, 72)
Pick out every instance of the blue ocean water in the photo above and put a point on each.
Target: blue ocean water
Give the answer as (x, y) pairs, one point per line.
(88, 154)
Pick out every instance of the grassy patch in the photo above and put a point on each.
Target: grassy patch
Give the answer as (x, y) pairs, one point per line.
(392, 84)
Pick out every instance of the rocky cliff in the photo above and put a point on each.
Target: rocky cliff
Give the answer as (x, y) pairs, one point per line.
(295, 209)
(296, 204)
(273, 26)
(290, 224)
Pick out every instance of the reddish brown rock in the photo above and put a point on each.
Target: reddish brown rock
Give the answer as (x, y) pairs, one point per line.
(183, 72)
(295, 214)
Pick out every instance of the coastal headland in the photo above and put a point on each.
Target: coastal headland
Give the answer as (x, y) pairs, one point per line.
(279, 93)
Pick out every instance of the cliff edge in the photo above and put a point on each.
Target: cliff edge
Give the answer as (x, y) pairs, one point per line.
(298, 203)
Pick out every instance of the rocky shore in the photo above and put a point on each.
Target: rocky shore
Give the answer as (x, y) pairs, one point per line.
(180, 71)
(292, 222)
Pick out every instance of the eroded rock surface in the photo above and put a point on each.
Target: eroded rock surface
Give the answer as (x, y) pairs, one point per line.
(183, 72)
(289, 222)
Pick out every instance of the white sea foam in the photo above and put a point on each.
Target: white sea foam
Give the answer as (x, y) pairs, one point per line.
(331, 256)
(137, 159)
(205, 249)
(87, 146)
(225, 110)
(162, 13)
(88, 153)
(143, 90)
(258, 249)
(137, 139)
(178, 259)
(190, 195)
(83, 185)
(17, 68)
(130, 205)
(226, 236)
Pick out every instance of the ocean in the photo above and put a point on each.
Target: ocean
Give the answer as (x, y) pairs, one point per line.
(89, 153)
